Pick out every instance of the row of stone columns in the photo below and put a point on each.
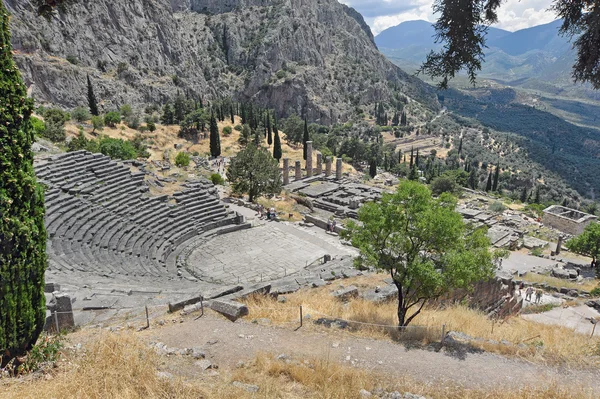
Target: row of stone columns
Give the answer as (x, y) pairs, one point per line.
(309, 166)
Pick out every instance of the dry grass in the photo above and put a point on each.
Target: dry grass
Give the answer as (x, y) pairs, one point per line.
(283, 205)
(543, 343)
(122, 366)
(113, 366)
(559, 283)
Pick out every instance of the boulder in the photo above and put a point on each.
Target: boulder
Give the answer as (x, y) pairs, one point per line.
(345, 294)
(230, 309)
(379, 295)
(560, 273)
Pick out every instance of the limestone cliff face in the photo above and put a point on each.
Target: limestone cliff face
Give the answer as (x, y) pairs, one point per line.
(313, 56)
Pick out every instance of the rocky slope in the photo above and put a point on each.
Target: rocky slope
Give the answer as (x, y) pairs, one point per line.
(313, 56)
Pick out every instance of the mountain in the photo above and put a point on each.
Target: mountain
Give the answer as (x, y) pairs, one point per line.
(420, 33)
(307, 56)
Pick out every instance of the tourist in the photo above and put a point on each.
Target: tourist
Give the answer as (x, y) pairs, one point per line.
(538, 296)
(333, 226)
(328, 225)
(528, 293)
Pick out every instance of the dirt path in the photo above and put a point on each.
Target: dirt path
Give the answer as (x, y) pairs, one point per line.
(227, 343)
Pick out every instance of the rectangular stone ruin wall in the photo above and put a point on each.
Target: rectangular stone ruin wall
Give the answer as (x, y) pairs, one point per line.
(564, 224)
(496, 297)
(59, 309)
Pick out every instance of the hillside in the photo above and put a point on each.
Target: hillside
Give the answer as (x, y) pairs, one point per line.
(314, 57)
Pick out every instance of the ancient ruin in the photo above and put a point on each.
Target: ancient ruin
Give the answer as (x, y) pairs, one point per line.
(567, 220)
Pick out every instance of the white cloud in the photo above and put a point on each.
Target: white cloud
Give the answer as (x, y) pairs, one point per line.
(512, 15)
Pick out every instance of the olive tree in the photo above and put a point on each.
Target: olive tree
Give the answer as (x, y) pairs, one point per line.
(423, 243)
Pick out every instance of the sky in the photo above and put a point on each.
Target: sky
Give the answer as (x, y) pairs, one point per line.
(513, 14)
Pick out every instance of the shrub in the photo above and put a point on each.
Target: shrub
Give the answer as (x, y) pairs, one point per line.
(38, 126)
(182, 159)
(97, 123)
(217, 179)
(56, 116)
(537, 252)
(227, 131)
(72, 59)
(497, 207)
(80, 114)
(117, 148)
(112, 118)
(238, 128)
(133, 121)
(443, 184)
(126, 110)
(122, 67)
(54, 132)
(151, 126)
(595, 292)
(46, 351)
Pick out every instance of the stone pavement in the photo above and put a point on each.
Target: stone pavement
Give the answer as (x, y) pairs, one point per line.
(264, 253)
(525, 263)
(575, 318)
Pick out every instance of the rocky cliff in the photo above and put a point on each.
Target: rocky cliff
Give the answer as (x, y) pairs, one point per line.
(313, 56)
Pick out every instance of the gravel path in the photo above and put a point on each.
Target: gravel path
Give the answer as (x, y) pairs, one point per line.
(227, 343)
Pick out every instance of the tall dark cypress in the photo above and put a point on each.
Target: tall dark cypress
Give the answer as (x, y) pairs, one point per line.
(373, 168)
(496, 178)
(215, 140)
(22, 231)
(306, 138)
(417, 158)
(411, 157)
(92, 102)
(460, 146)
(232, 113)
(269, 130)
(488, 185)
(277, 153)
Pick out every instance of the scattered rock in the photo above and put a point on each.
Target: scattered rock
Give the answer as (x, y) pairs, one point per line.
(364, 393)
(347, 293)
(198, 353)
(281, 299)
(247, 387)
(163, 375)
(204, 364)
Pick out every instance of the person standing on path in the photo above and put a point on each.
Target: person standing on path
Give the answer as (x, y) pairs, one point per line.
(538, 296)
(528, 293)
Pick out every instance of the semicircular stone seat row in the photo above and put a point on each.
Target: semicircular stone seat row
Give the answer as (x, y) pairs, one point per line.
(101, 218)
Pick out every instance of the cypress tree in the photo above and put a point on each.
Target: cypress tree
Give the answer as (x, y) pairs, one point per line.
(22, 230)
(92, 102)
(411, 157)
(306, 138)
(417, 158)
(496, 178)
(215, 140)
(473, 178)
(536, 198)
(460, 146)
(373, 168)
(488, 186)
(276, 144)
(523, 197)
(232, 114)
(269, 130)
(413, 175)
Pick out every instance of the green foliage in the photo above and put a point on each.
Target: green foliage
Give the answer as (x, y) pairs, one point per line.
(277, 152)
(215, 139)
(112, 119)
(182, 159)
(422, 243)
(132, 121)
(97, 122)
(255, 172)
(151, 126)
(595, 292)
(294, 129)
(238, 128)
(245, 135)
(22, 230)
(227, 131)
(80, 114)
(38, 126)
(54, 124)
(92, 102)
(588, 242)
(72, 59)
(497, 207)
(126, 110)
(217, 179)
(444, 184)
(114, 148)
(46, 351)
(56, 116)
(537, 252)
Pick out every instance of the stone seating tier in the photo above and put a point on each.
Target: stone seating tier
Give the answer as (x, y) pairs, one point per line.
(100, 221)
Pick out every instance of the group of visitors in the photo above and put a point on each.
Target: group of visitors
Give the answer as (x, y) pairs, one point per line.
(270, 214)
(529, 293)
